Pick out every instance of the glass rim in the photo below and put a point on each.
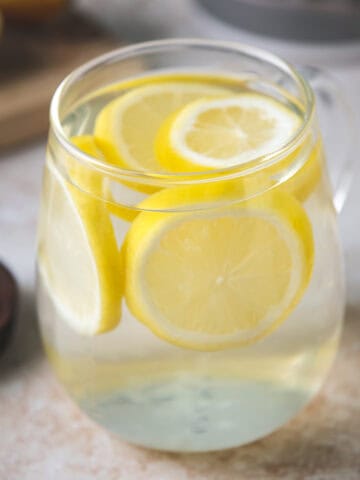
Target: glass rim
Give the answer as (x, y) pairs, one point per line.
(149, 176)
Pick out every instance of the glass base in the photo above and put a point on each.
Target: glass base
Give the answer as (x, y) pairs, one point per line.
(196, 414)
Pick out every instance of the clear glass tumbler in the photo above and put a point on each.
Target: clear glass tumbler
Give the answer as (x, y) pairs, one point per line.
(188, 310)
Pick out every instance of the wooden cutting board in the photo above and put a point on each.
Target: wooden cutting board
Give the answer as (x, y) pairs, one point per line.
(34, 59)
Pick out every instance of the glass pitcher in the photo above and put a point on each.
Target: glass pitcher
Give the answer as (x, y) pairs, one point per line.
(190, 280)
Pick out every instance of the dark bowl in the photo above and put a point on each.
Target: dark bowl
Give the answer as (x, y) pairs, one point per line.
(302, 20)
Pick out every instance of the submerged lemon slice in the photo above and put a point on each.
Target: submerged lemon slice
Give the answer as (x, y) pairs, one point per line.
(224, 132)
(126, 127)
(307, 177)
(217, 279)
(79, 257)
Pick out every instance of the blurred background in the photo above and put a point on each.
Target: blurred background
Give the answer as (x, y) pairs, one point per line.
(43, 40)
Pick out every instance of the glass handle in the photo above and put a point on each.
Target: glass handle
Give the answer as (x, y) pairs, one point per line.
(338, 125)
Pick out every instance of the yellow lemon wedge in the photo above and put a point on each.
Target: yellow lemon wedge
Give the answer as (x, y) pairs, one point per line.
(219, 278)
(79, 257)
(224, 132)
(125, 129)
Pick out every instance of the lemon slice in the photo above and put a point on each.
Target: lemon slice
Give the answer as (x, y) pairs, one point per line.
(233, 130)
(99, 184)
(224, 132)
(304, 181)
(79, 257)
(219, 278)
(126, 127)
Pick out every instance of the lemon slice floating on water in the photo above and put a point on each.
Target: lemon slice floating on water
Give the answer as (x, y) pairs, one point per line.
(224, 132)
(126, 127)
(79, 257)
(179, 125)
(217, 279)
(230, 131)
